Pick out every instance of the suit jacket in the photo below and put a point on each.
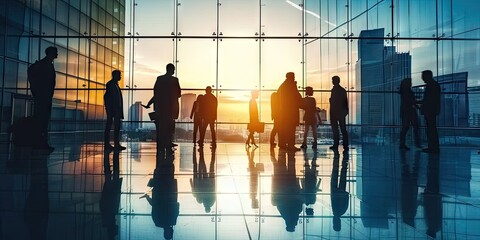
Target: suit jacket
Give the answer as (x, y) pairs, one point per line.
(289, 101)
(338, 102)
(165, 94)
(113, 99)
(41, 76)
(431, 99)
(208, 107)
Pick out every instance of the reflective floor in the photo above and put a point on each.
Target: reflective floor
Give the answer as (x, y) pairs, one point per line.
(371, 192)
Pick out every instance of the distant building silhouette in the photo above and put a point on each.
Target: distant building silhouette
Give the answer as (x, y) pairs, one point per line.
(135, 115)
(186, 101)
(474, 106)
(379, 69)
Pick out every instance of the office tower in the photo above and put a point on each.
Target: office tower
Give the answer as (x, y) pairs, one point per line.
(379, 71)
(135, 115)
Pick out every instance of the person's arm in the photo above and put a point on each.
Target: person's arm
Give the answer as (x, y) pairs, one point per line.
(216, 106)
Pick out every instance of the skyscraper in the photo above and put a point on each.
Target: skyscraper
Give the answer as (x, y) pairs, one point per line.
(135, 115)
(186, 105)
(379, 71)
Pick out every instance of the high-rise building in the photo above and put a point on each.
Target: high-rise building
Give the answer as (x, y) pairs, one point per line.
(379, 71)
(135, 115)
(474, 106)
(187, 101)
(84, 62)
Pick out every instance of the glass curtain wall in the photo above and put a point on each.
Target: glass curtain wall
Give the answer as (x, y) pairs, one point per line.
(239, 46)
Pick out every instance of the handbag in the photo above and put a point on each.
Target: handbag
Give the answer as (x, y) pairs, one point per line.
(256, 127)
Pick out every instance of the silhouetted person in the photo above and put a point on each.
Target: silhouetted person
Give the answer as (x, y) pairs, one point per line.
(197, 118)
(409, 188)
(286, 191)
(208, 109)
(41, 76)
(430, 110)
(275, 115)
(110, 198)
(310, 118)
(408, 113)
(203, 182)
(37, 204)
(253, 112)
(114, 107)
(289, 102)
(164, 200)
(311, 183)
(432, 199)
(338, 112)
(165, 103)
(339, 196)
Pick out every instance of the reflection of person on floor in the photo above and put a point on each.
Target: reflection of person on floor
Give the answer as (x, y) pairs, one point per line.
(37, 205)
(409, 189)
(311, 183)
(286, 192)
(203, 182)
(164, 200)
(339, 196)
(432, 199)
(110, 199)
(197, 118)
(254, 172)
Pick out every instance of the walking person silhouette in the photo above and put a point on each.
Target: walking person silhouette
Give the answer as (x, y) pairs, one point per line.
(208, 109)
(253, 111)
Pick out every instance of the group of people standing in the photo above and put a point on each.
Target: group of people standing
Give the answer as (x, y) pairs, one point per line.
(285, 105)
(429, 108)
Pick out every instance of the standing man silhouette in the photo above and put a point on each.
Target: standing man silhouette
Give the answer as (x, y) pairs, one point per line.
(208, 109)
(197, 118)
(114, 106)
(41, 76)
(338, 112)
(289, 101)
(165, 99)
(430, 110)
(408, 113)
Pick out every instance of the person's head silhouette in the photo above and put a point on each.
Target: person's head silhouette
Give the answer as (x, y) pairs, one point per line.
(116, 75)
(405, 85)
(254, 94)
(309, 91)
(170, 69)
(208, 90)
(335, 80)
(427, 75)
(51, 53)
(290, 76)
